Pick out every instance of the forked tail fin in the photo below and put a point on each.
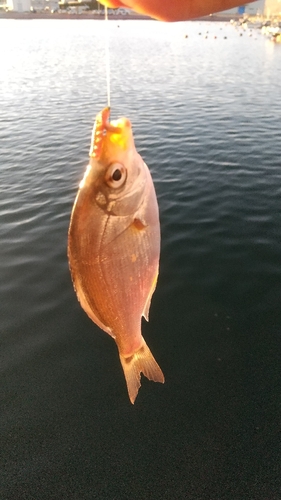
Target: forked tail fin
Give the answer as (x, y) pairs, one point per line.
(141, 361)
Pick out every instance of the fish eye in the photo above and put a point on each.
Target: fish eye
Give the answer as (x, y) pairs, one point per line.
(116, 175)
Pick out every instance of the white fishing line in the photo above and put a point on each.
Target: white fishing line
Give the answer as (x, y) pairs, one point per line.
(107, 60)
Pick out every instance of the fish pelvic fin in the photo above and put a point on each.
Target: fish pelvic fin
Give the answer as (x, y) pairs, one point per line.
(142, 361)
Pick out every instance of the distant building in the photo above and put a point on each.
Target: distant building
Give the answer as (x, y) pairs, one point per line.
(272, 8)
(48, 5)
(252, 9)
(18, 5)
(38, 5)
(30, 5)
(267, 8)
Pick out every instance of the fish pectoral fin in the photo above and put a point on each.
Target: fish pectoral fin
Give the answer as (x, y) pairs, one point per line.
(142, 361)
(139, 223)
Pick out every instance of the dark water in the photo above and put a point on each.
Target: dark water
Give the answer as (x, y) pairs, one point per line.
(206, 114)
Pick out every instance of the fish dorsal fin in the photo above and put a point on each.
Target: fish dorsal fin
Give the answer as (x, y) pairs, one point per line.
(145, 313)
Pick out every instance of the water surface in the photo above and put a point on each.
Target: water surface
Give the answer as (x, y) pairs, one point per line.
(205, 104)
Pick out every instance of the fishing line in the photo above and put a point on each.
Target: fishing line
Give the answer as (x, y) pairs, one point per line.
(107, 61)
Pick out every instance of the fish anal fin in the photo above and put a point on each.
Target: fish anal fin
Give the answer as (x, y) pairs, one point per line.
(142, 361)
(89, 311)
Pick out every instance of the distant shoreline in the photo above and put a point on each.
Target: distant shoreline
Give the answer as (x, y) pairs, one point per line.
(90, 16)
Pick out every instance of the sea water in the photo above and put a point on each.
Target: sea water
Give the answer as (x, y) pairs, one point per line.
(205, 105)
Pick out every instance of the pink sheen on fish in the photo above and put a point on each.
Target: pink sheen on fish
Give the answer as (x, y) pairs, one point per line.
(114, 245)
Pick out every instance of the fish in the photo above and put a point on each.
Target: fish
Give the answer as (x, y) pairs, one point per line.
(114, 245)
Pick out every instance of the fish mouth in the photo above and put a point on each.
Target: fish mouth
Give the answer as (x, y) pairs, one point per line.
(106, 123)
(101, 127)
